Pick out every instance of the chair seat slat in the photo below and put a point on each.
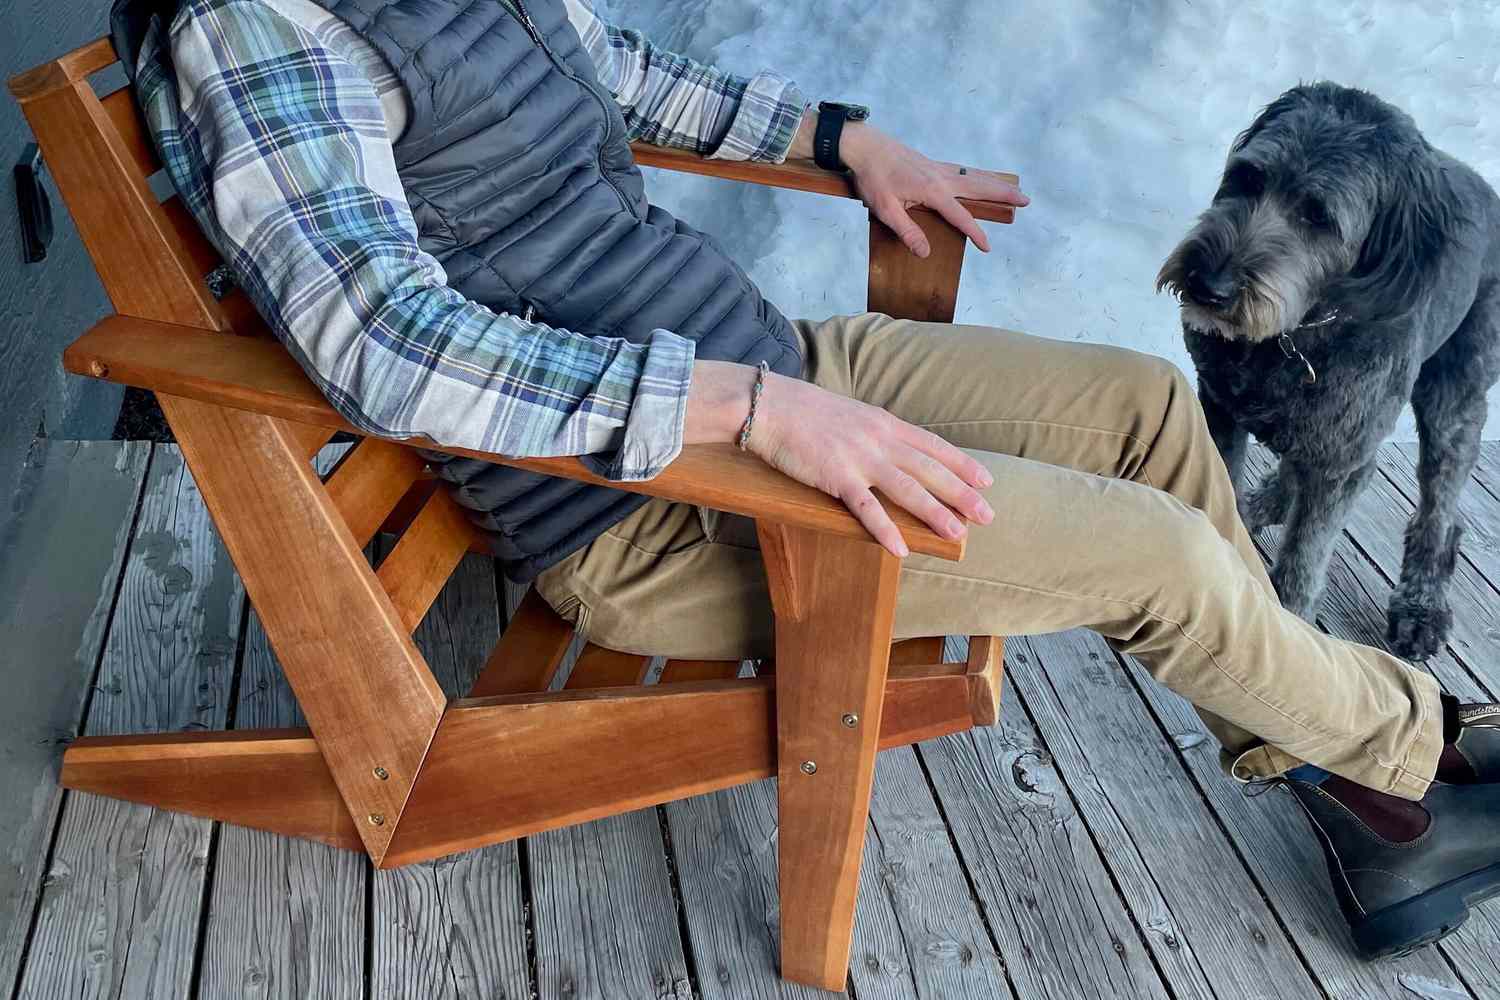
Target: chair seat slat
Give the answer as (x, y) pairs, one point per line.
(425, 557)
(529, 652)
(370, 482)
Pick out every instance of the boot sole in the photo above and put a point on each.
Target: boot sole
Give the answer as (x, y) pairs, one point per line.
(1425, 919)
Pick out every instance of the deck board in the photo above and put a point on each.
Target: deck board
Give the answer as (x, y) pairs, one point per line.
(286, 917)
(454, 927)
(63, 543)
(1085, 847)
(1204, 917)
(919, 933)
(124, 891)
(1063, 929)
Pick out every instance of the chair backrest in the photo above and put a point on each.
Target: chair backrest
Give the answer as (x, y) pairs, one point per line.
(150, 254)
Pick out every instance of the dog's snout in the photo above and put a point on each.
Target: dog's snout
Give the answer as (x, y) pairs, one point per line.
(1210, 286)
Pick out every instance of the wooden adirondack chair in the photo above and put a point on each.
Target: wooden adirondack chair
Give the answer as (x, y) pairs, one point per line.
(388, 765)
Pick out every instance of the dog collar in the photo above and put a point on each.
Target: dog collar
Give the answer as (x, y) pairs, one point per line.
(1289, 346)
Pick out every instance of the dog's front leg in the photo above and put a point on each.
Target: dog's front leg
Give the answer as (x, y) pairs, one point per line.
(1321, 502)
(1229, 437)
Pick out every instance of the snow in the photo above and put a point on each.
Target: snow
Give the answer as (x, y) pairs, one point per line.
(1116, 115)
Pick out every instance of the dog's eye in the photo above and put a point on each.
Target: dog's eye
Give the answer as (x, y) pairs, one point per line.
(1243, 180)
(1315, 213)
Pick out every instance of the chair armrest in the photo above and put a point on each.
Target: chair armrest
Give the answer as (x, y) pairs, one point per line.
(796, 175)
(257, 374)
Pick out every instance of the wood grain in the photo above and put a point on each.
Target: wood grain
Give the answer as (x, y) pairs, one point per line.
(126, 117)
(124, 891)
(259, 376)
(911, 287)
(417, 568)
(145, 267)
(286, 916)
(529, 652)
(68, 69)
(986, 673)
(795, 175)
(454, 928)
(913, 652)
(606, 924)
(368, 484)
(918, 931)
(830, 665)
(598, 667)
(266, 779)
(621, 748)
(65, 547)
(1132, 793)
(1364, 567)
(1060, 923)
(681, 671)
(368, 695)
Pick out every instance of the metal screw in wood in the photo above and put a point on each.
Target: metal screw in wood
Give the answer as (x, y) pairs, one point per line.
(382, 773)
(98, 368)
(377, 819)
(809, 767)
(850, 720)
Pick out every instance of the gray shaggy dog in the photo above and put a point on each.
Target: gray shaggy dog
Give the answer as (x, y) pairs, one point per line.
(1345, 267)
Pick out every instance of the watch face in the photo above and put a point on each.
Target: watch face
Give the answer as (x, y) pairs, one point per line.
(853, 112)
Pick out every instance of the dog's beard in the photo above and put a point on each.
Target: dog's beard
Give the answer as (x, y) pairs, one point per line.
(1259, 314)
(1274, 300)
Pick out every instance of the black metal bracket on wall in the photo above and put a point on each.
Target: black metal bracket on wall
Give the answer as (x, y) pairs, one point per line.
(33, 204)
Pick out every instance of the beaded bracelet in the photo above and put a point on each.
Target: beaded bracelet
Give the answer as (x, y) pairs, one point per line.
(760, 386)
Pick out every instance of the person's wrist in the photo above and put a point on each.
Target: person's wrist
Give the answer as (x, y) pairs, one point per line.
(857, 144)
(718, 401)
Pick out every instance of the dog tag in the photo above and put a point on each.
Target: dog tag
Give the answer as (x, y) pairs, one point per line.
(1289, 349)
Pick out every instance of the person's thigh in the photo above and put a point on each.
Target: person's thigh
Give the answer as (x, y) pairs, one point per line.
(1090, 407)
(661, 584)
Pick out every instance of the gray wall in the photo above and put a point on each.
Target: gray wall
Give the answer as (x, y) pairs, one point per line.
(43, 306)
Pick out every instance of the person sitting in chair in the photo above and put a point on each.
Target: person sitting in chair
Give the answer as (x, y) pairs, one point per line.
(434, 205)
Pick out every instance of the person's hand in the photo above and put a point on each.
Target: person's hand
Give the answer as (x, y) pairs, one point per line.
(845, 448)
(891, 177)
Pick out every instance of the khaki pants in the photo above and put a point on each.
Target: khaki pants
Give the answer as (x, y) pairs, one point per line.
(1113, 512)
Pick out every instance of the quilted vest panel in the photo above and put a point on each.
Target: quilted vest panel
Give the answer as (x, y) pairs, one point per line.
(523, 185)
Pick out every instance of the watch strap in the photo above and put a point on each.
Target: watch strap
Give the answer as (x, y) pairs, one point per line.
(826, 137)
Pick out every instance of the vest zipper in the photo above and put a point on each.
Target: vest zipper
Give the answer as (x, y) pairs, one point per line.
(517, 9)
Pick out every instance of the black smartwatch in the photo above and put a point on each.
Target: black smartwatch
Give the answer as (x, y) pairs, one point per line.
(831, 118)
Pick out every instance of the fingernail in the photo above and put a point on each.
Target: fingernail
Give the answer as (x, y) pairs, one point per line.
(986, 512)
(902, 551)
(955, 529)
(985, 479)
(924, 250)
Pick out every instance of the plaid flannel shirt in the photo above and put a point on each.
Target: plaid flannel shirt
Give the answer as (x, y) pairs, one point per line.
(275, 132)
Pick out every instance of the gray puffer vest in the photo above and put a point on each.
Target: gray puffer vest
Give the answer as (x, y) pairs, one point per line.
(518, 172)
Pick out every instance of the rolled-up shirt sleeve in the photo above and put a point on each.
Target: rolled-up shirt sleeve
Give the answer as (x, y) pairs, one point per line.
(671, 100)
(279, 147)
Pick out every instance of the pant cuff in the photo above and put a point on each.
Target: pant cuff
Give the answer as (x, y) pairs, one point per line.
(1408, 778)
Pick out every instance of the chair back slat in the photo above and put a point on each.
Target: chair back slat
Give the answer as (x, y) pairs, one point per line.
(150, 258)
(123, 112)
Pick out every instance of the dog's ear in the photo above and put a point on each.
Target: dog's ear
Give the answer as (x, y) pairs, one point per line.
(1294, 98)
(1419, 210)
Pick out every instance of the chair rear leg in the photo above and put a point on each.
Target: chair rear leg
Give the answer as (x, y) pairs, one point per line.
(831, 664)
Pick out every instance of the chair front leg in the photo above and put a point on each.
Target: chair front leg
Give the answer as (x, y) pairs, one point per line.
(832, 650)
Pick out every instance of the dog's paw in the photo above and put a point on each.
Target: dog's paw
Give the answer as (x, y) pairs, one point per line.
(1417, 627)
(1262, 507)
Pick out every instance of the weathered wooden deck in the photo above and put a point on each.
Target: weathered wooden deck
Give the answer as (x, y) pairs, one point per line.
(1087, 847)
